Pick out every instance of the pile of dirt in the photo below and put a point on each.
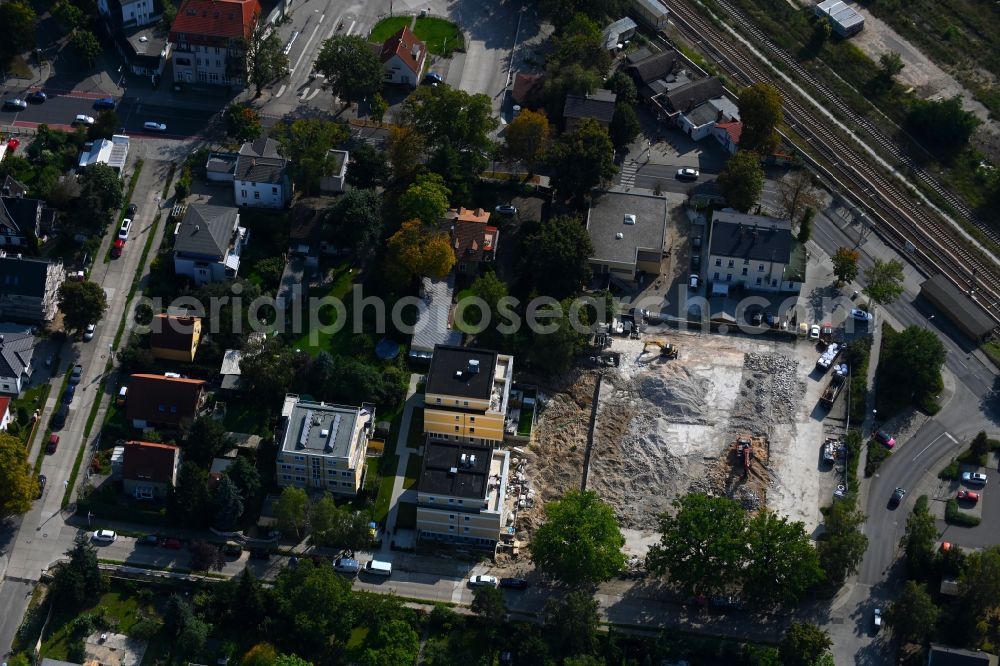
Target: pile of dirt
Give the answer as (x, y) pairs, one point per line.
(769, 394)
(677, 395)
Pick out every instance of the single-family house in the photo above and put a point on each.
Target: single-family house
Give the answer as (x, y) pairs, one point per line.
(335, 180)
(20, 222)
(208, 243)
(728, 135)
(129, 13)
(697, 106)
(174, 337)
(4, 412)
(209, 40)
(629, 234)
(113, 152)
(261, 176)
(599, 106)
(17, 346)
(472, 238)
(29, 288)
(403, 57)
(754, 252)
(162, 401)
(942, 655)
(12, 187)
(149, 470)
(645, 67)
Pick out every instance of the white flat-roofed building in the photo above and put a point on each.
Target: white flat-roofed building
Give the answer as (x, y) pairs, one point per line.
(114, 153)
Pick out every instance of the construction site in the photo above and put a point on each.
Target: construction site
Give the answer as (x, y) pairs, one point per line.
(731, 415)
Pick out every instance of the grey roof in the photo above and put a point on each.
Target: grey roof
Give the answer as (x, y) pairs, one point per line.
(147, 40)
(221, 162)
(942, 655)
(23, 277)
(320, 428)
(600, 106)
(612, 34)
(433, 315)
(206, 230)
(445, 473)
(841, 13)
(697, 92)
(16, 350)
(606, 219)
(637, 56)
(751, 237)
(13, 188)
(259, 162)
(450, 374)
(957, 305)
(231, 362)
(57, 662)
(18, 216)
(652, 67)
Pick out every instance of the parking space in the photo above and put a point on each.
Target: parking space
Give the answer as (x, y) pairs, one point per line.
(986, 508)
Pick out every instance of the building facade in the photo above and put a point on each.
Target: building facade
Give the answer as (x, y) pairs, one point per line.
(29, 288)
(208, 39)
(261, 176)
(323, 446)
(403, 57)
(149, 470)
(755, 253)
(208, 243)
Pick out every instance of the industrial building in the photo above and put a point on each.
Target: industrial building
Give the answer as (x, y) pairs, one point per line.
(967, 315)
(844, 19)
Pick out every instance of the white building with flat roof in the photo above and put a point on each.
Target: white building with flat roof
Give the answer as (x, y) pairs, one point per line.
(114, 153)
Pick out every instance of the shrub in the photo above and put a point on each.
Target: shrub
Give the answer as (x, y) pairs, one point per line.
(953, 516)
(876, 455)
(950, 471)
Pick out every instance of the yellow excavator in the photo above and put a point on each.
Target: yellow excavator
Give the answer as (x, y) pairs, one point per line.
(667, 349)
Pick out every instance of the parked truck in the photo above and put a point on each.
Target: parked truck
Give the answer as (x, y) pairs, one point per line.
(836, 385)
(827, 358)
(650, 13)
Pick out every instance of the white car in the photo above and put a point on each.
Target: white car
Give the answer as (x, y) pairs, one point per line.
(974, 477)
(105, 536)
(814, 332)
(83, 119)
(154, 126)
(483, 581)
(861, 315)
(125, 228)
(89, 333)
(687, 173)
(877, 619)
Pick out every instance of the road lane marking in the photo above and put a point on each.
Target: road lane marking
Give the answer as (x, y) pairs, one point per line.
(305, 49)
(314, 93)
(281, 90)
(351, 29)
(921, 452)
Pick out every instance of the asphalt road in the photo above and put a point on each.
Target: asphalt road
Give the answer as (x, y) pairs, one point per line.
(57, 111)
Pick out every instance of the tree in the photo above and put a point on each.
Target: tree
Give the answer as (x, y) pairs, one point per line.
(189, 500)
(553, 351)
(845, 264)
(556, 257)
(322, 517)
(803, 644)
(796, 194)
(356, 220)
(890, 64)
(625, 126)
(913, 616)
(842, 544)
(527, 137)
(980, 445)
(580, 541)
(265, 57)
(911, 363)
(291, 660)
(306, 143)
(742, 180)
(700, 542)
(415, 251)
(395, 643)
(581, 160)
(443, 114)
(943, 126)
(884, 281)
(338, 526)
(425, 200)
(105, 183)
(761, 114)
(292, 510)
(266, 370)
(379, 106)
(79, 580)
(405, 147)
(169, 13)
(581, 42)
(571, 622)
(85, 42)
(351, 68)
(782, 563)
(205, 556)
(192, 638)
(979, 582)
(81, 303)
(489, 604)
(227, 505)
(105, 126)
(18, 485)
(206, 439)
(69, 15)
(242, 122)
(369, 167)
(18, 19)
(261, 654)
(919, 539)
(314, 606)
(622, 85)
(805, 226)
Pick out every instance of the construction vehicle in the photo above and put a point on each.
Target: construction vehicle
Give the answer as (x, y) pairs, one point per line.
(667, 350)
(744, 452)
(837, 383)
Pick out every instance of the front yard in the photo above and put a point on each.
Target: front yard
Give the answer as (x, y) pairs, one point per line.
(441, 36)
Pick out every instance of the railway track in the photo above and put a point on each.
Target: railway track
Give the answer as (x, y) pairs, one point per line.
(899, 217)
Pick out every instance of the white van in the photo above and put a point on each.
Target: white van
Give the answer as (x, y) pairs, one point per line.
(347, 565)
(379, 568)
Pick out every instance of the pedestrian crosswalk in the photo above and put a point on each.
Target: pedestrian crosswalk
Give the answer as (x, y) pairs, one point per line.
(626, 175)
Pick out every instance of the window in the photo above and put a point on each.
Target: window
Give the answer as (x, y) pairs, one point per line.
(345, 473)
(760, 268)
(451, 500)
(472, 430)
(286, 477)
(451, 516)
(256, 194)
(461, 267)
(346, 484)
(718, 262)
(437, 401)
(774, 283)
(466, 529)
(432, 499)
(715, 276)
(456, 428)
(274, 190)
(472, 419)
(758, 282)
(451, 528)
(462, 502)
(243, 193)
(300, 458)
(729, 277)
(744, 271)
(731, 263)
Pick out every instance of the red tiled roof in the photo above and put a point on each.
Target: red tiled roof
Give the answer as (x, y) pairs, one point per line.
(163, 400)
(4, 404)
(524, 86)
(471, 239)
(733, 128)
(173, 332)
(402, 44)
(468, 215)
(148, 461)
(216, 18)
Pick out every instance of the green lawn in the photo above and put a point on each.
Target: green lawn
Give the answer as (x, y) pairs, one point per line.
(245, 417)
(441, 36)
(388, 27)
(325, 340)
(388, 475)
(118, 606)
(32, 399)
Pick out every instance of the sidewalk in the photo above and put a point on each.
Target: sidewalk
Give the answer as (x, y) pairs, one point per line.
(413, 400)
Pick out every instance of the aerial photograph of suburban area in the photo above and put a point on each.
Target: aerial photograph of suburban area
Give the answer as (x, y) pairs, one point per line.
(499, 333)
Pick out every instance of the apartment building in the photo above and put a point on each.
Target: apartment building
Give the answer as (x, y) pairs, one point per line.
(466, 395)
(209, 40)
(323, 446)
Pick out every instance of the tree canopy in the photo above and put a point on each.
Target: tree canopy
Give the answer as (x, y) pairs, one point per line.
(355, 219)
(81, 303)
(79, 580)
(265, 57)
(18, 19)
(425, 200)
(842, 544)
(742, 180)
(883, 281)
(556, 257)
(572, 622)
(306, 142)
(292, 510)
(625, 126)
(104, 182)
(913, 615)
(942, 126)
(242, 122)
(911, 362)
(845, 264)
(351, 68)
(581, 160)
(553, 351)
(580, 541)
(18, 485)
(761, 114)
(415, 250)
(527, 137)
(443, 114)
(919, 539)
(803, 644)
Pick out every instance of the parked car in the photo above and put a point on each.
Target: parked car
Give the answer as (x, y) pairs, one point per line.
(153, 126)
(757, 317)
(83, 119)
(814, 332)
(124, 229)
(148, 540)
(885, 439)
(12, 145)
(59, 418)
(131, 209)
(105, 536)
(117, 248)
(232, 549)
(771, 320)
(877, 620)
(104, 103)
(122, 396)
(69, 394)
(897, 497)
(41, 485)
(693, 281)
(505, 209)
(53, 443)
(968, 496)
(88, 333)
(171, 543)
(433, 78)
(37, 97)
(483, 581)
(14, 104)
(687, 173)
(974, 477)
(77, 374)
(514, 583)
(861, 315)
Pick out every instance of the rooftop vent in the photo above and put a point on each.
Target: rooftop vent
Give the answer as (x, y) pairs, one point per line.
(324, 432)
(473, 368)
(452, 471)
(472, 460)
(144, 39)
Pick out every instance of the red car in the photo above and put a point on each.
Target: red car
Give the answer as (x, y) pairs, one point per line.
(171, 543)
(968, 495)
(117, 248)
(53, 444)
(13, 144)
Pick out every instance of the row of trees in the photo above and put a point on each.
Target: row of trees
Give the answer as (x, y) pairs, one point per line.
(327, 523)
